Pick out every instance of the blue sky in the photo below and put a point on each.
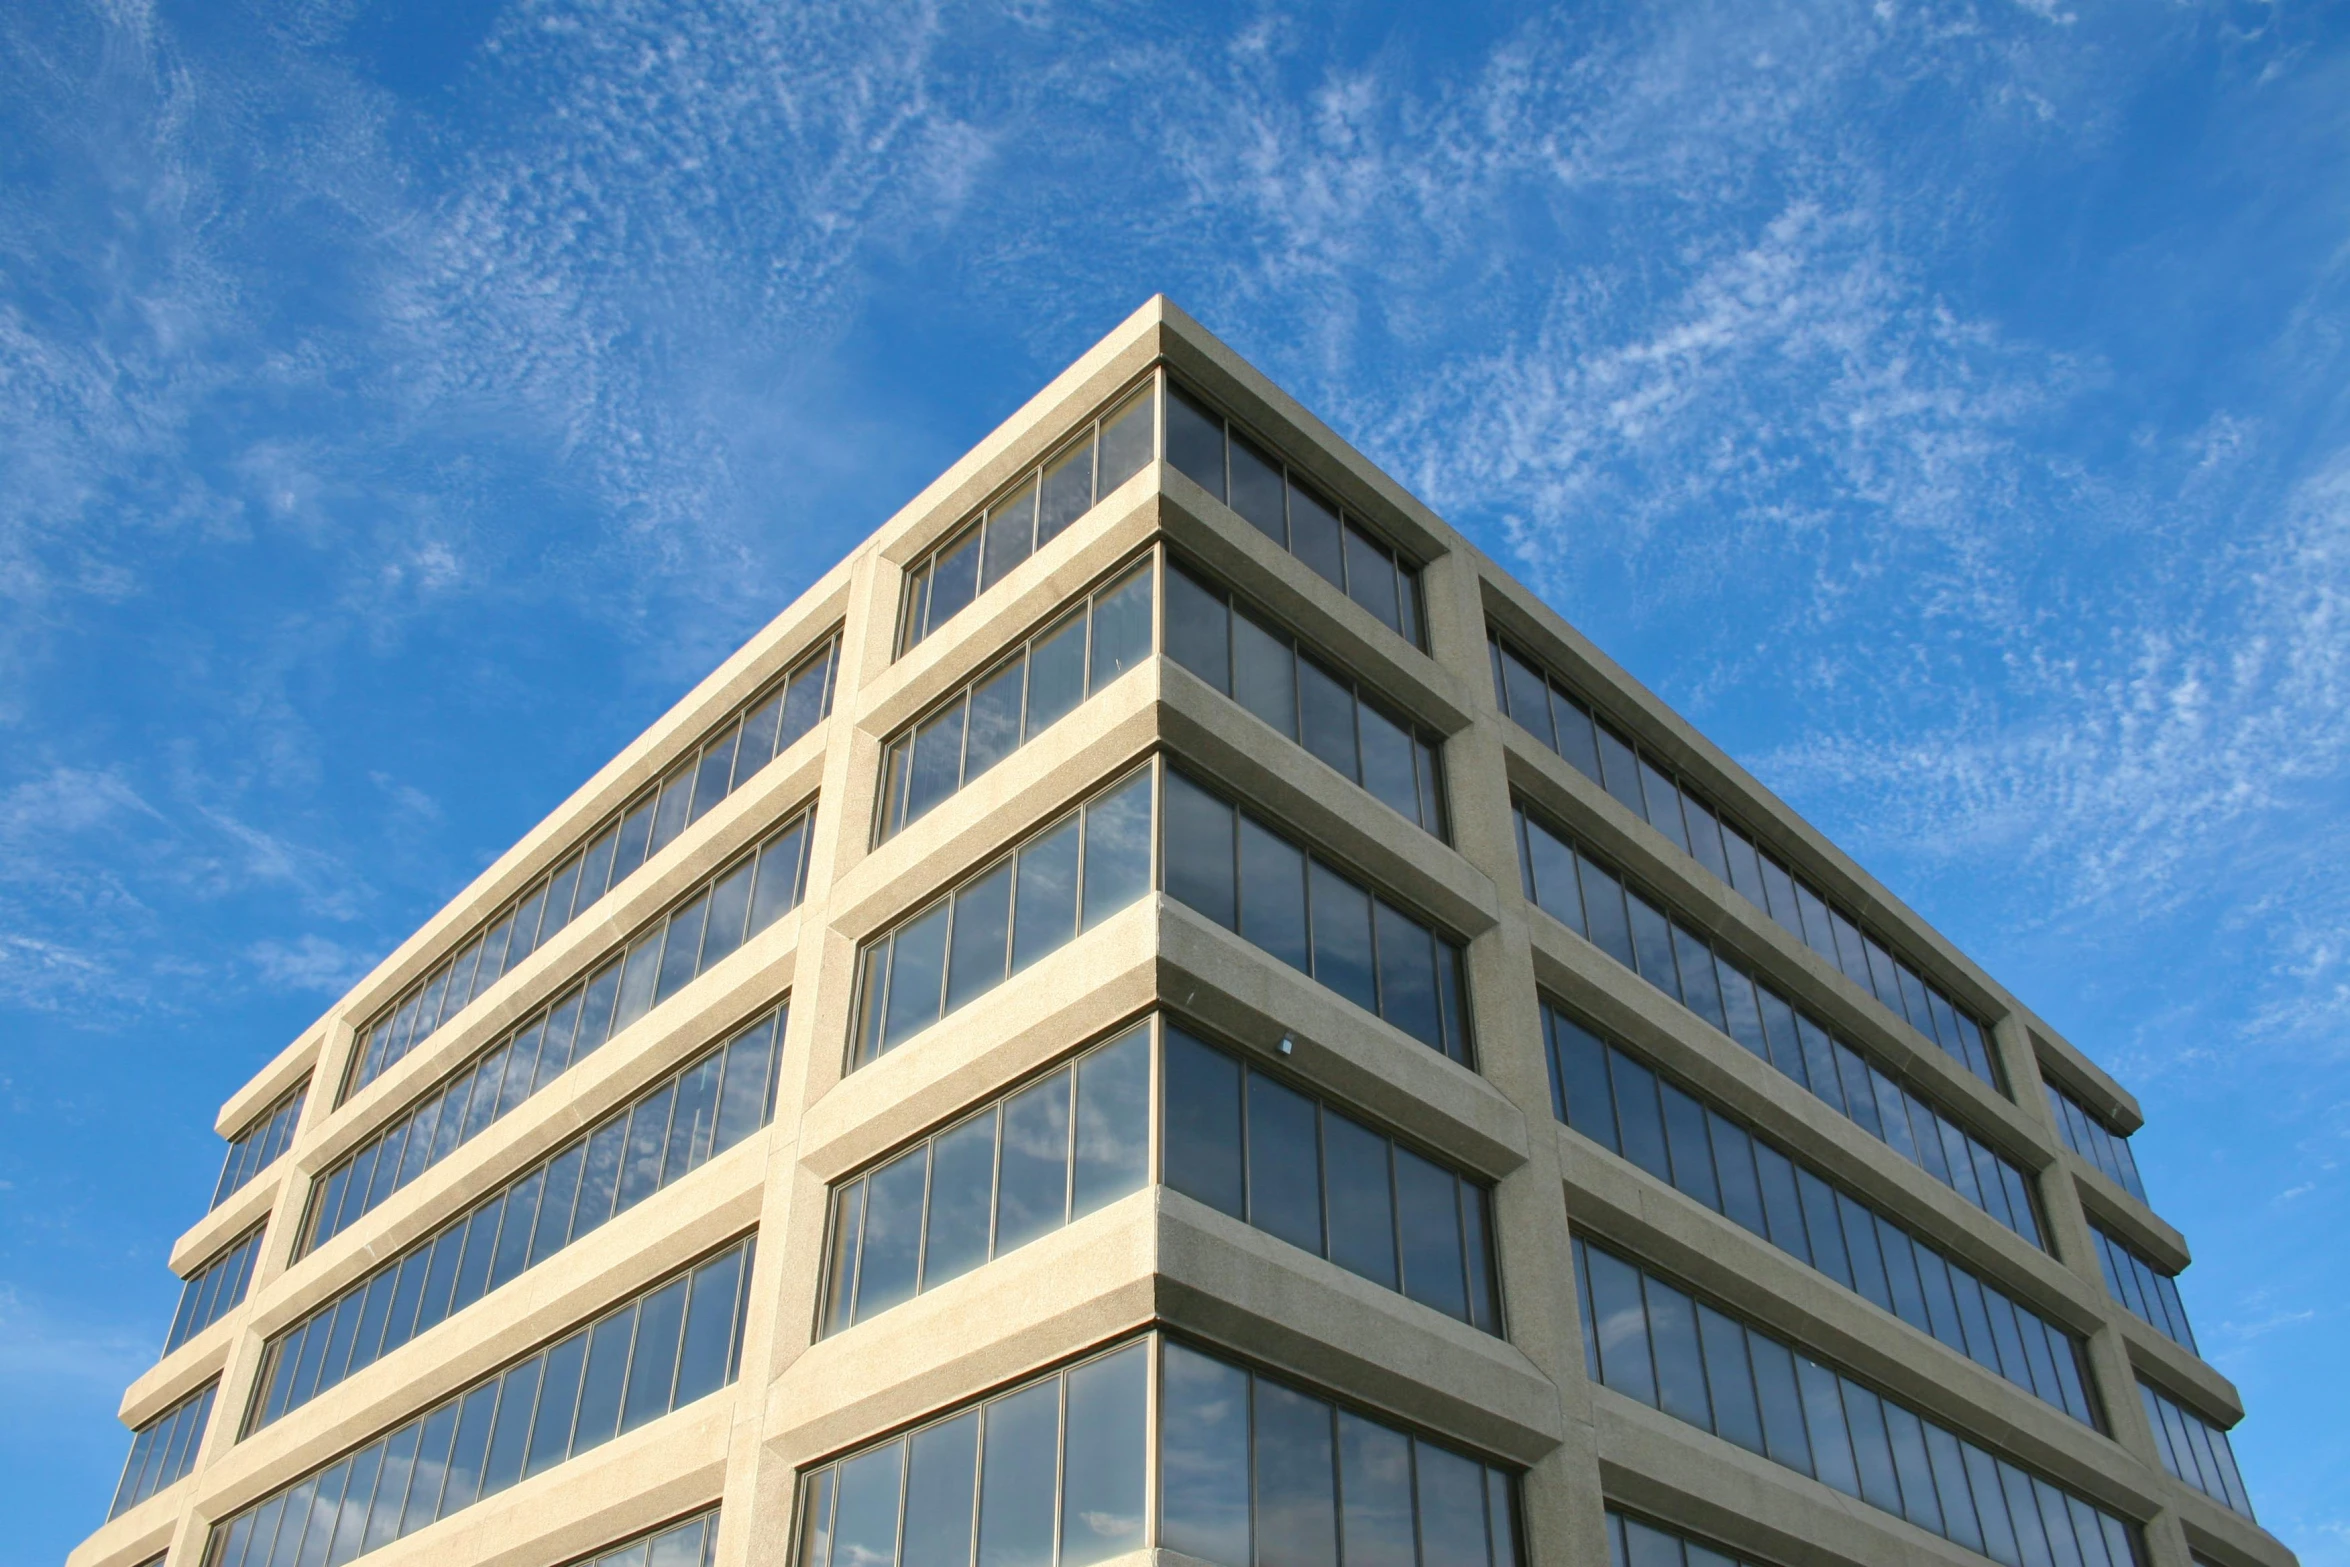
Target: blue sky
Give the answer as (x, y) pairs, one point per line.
(1944, 405)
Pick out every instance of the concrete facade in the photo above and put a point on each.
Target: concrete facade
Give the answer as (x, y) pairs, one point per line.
(1157, 1258)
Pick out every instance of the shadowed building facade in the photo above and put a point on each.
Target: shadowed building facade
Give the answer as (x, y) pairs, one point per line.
(1167, 1005)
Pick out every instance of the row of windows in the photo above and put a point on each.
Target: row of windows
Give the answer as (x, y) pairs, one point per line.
(1068, 877)
(215, 1289)
(164, 1449)
(1596, 904)
(1251, 880)
(1015, 700)
(1037, 509)
(1021, 1168)
(674, 1343)
(751, 736)
(2151, 1294)
(256, 1147)
(2086, 1134)
(1631, 1110)
(1233, 1138)
(1281, 504)
(672, 1129)
(1272, 675)
(1251, 1146)
(735, 905)
(1563, 723)
(1650, 1341)
(1631, 1543)
(691, 1543)
(2196, 1451)
(1247, 1472)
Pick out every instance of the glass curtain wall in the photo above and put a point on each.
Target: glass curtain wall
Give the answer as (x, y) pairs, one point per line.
(1306, 698)
(742, 743)
(1254, 881)
(671, 1129)
(1641, 1114)
(1657, 796)
(1652, 1341)
(2086, 1134)
(1066, 878)
(2196, 1451)
(1605, 910)
(215, 1289)
(1236, 1138)
(256, 1147)
(1020, 696)
(742, 900)
(1034, 510)
(676, 1342)
(1631, 1543)
(164, 1449)
(1155, 1443)
(691, 1542)
(2151, 1294)
(1286, 507)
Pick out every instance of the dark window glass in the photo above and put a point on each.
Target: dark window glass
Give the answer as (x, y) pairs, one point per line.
(1022, 1445)
(1428, 1214)
(1199, 849)
(1199, 629)
(1326, 718)
(1314, 534)
(1341, 914)
(1202, 1149)
(1284, 1164)
(1195, 442)
(1296, 1500)
(1264, 674)
(962, 1200)
(1273, 895)
(1362, 1205)
(1203, 1458)
(1257, 490)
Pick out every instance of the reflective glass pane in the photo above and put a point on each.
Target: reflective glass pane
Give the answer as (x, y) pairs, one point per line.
(1033, 1172)
(1102, 1469)
(1022, 1444)
(962, 1198)
(1264, 673)
(1284, 1164)
(1203, 1458)
(1046, 912)
(940, 1493)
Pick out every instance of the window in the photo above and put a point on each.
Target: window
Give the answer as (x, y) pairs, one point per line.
(672, 1344)
(1059, 1472)
(256, 1147)
(1038, 1158)
(1633, 1110)
(1252, 880)
(1275, 677)
(670, 1130)
(2196, 1451)
(1037, 509)
(1235, 1138)
(1597, 904)
(1673, 1351)
(1016, 700)
(1067, 877)
(215, 1289)
(164, 1449)
(1283, 505)
(751, 736)
(690, 1543)
(1651, 791)
(2151, 1294)
(2089, 1136)
(1631, 1543)
(1250, 1145)
(739, 902)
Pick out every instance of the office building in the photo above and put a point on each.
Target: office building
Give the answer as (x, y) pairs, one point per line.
(1167, 1004)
